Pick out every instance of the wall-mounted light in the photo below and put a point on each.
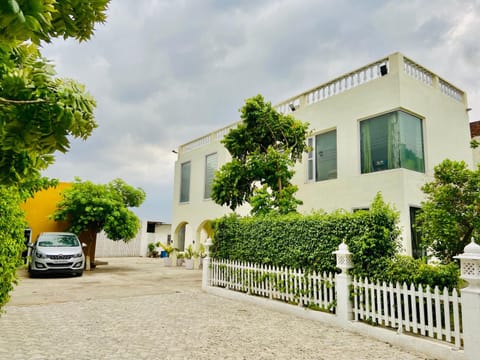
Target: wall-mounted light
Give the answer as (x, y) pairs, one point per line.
(175, 151)
(383, 70)
(292, 107)
(468, 109)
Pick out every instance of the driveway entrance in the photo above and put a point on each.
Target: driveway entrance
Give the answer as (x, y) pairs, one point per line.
(135, 308)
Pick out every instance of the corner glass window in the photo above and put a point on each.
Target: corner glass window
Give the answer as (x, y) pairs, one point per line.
(392, 141)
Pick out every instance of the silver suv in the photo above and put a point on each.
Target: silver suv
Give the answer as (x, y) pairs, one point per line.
(56, 252)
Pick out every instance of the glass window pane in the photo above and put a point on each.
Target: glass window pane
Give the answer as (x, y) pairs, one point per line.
(185, 182)
(326, 156)
(418, 250)
(210, 168)
(310, 159)
(391, 141)
(411, 142)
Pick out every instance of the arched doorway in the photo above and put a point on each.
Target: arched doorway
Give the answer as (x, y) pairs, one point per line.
(204, 231)
(180, 235)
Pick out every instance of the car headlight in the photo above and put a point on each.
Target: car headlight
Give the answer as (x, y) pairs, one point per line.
(77, 255)
(39, 255)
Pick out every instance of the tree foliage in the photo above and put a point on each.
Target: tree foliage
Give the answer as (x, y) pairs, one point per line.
(264, 147)
(12, 224)
(451, 212)
(95, 207)
(42, 20)
(38, 111)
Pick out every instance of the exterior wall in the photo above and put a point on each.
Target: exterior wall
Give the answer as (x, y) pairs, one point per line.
(137, 246)
(43, 204)
(40, 207)
(407, 86)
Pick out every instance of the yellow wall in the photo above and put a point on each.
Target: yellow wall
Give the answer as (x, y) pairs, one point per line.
(40, 207)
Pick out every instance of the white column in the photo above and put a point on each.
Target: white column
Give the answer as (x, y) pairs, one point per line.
(206, 265)
(470, 297)
(343, 281)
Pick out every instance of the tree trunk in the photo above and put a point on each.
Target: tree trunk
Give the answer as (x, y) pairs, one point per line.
(89, 237)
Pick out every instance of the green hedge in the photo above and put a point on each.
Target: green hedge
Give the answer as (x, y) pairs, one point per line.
(308, 242)
(12, 225)
(405, 269)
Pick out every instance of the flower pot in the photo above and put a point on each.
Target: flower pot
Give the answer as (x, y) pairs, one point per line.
(167, 261)
(189, 264)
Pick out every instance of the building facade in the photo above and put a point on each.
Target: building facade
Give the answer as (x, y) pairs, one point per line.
(380, 128)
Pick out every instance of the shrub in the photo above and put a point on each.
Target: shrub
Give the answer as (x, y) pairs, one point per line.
(12, 225)
(309, 241)
(405, 269)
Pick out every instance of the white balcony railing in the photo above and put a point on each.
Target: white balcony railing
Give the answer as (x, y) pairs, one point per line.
(365, 74)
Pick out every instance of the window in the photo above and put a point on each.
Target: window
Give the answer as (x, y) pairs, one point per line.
(322, 160)
(151, 227)
(185, 182)
(392, 141)
(210, 168)
(418, 251)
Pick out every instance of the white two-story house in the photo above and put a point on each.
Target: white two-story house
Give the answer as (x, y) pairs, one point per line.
(380, 128)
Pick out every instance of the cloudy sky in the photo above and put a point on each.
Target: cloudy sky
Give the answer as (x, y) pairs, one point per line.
(165, 72)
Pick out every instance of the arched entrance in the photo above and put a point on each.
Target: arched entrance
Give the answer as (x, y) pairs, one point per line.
(180, 236)
(204, 231)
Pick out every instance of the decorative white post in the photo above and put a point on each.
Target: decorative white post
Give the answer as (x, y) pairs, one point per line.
(342, 283)
(470, 296)
(206, 265)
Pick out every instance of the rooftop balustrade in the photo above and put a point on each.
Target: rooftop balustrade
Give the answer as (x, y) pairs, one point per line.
(394, 63)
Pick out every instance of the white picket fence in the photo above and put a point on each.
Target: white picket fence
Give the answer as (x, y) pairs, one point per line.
(421, 311)
(294, 286)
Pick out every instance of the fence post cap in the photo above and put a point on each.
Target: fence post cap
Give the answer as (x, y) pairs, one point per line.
(344, 257)
(471, 251)
(342, 249)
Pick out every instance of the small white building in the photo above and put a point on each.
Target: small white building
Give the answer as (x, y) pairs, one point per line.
(150, 232)
(382, 127)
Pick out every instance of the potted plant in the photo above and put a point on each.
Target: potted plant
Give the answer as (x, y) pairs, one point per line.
(152, 250)
(180, 258)
(190, 255)
(169, 249)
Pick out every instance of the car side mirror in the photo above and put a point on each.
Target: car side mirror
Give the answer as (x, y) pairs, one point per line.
(30, 245)
(84, 245)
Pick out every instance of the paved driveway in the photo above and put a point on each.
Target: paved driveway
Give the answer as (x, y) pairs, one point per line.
(135, 308)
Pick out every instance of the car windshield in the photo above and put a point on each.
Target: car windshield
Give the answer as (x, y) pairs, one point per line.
(58, 241)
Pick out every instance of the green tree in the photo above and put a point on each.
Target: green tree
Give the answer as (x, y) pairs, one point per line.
(90, 208)
(38, 111)
(12, 224)
(42, 20)
(264, 147)
(451, 213)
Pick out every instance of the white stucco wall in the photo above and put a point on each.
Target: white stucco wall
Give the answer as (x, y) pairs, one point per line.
(445, 131)
(137, 246)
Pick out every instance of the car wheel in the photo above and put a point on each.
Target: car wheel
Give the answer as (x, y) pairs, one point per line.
(80, 273)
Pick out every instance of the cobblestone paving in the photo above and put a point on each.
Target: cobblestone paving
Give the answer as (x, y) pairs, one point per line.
(182, 324)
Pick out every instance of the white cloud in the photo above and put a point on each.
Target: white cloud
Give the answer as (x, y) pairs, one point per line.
(166, 71)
